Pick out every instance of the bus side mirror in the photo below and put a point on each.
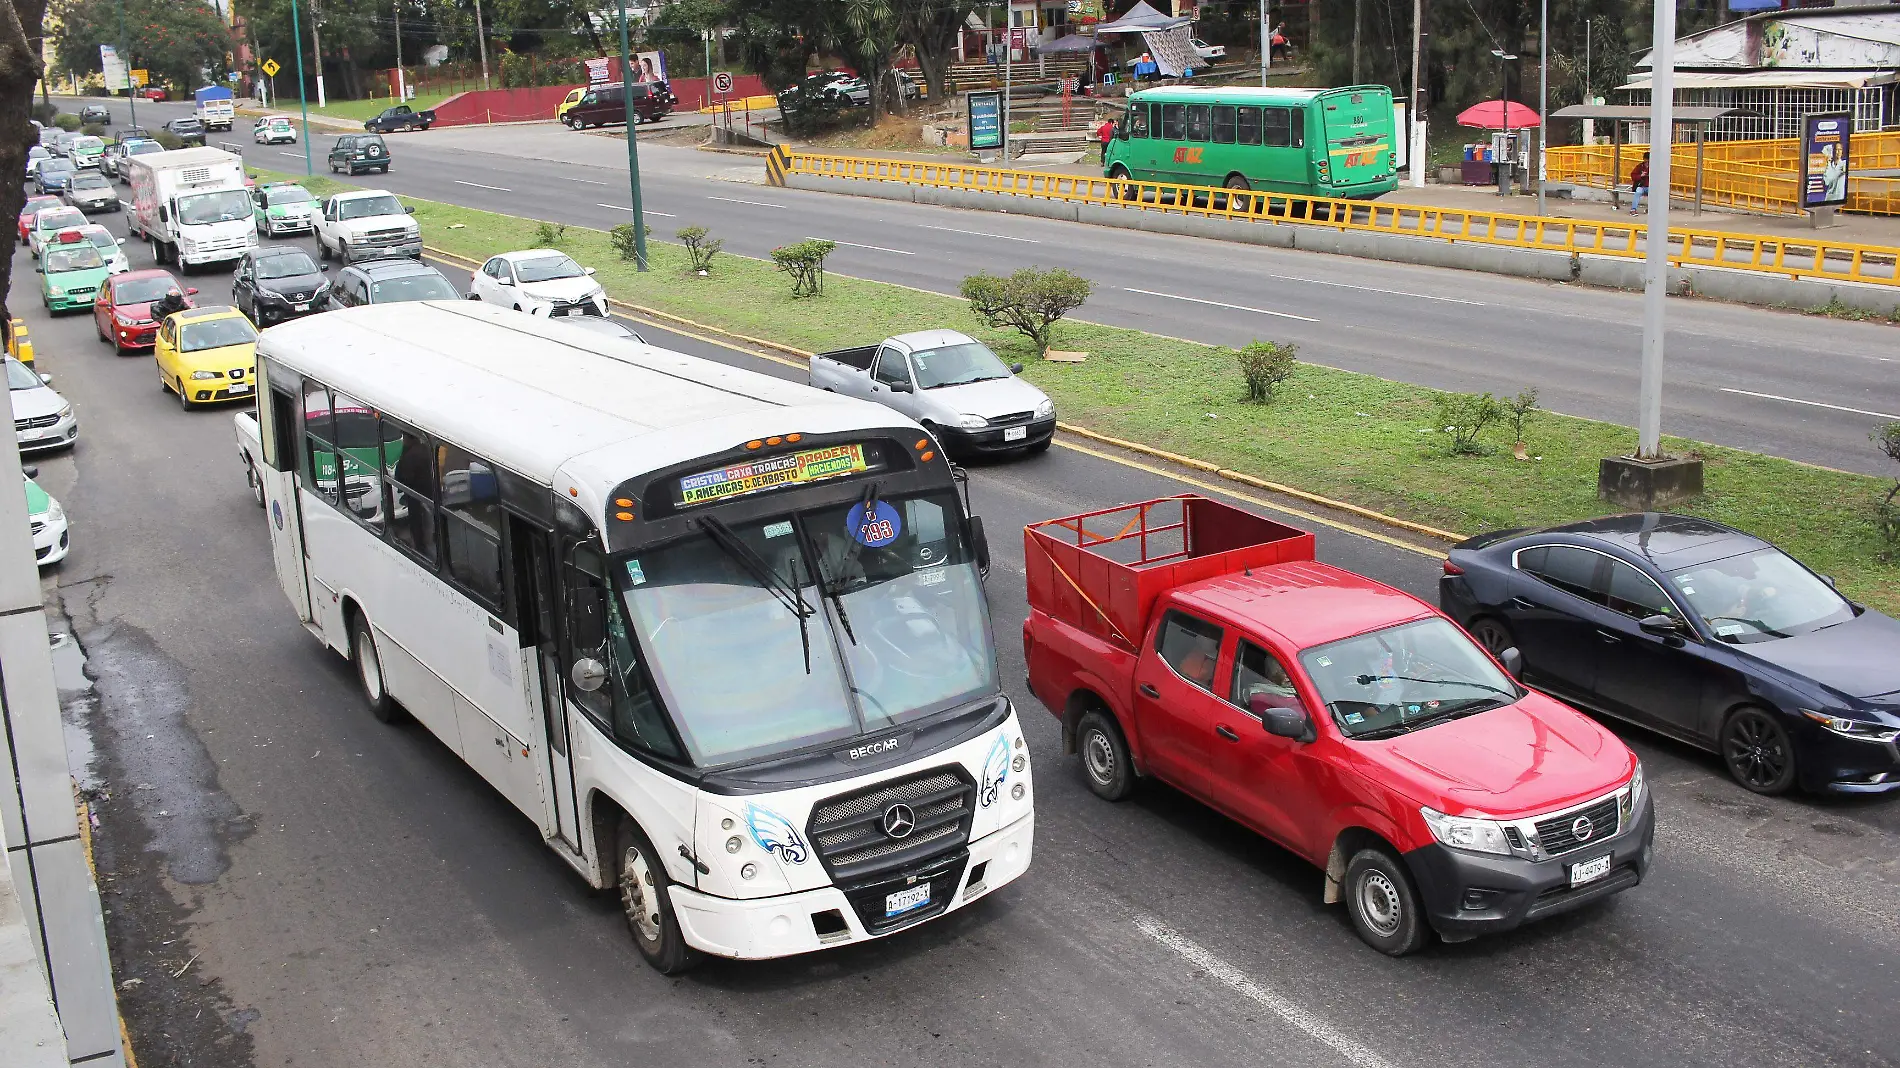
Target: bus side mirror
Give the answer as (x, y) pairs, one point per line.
(1121, 133)
(980, 544)
(588, 674)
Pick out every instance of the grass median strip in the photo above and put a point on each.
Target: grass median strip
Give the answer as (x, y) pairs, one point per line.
(1344, 435)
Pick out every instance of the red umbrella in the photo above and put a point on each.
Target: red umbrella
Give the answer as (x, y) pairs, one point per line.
(1486, 116)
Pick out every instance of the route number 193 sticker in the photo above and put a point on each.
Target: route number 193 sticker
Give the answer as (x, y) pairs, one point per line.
(874, 525)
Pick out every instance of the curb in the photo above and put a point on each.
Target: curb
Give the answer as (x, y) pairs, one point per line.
(1070, 428)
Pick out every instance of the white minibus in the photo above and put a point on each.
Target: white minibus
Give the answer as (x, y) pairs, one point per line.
(723, 637)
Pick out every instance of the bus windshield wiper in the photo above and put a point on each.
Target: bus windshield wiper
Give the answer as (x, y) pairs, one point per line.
(784, 592)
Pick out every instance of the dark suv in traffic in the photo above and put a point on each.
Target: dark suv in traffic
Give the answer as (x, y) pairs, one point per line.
(357, 153)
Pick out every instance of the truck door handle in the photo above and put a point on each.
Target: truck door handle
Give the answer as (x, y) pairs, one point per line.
(1607, 638)
(1227, 732)
(1149, 691)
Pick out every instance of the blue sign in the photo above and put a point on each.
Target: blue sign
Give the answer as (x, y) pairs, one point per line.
(986, 120)
(875, 525)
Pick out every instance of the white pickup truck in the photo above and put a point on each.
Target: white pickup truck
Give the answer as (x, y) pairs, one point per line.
(365, 224)
(968, 399)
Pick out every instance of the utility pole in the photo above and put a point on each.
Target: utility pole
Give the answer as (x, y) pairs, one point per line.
(633, 141)
(1662, 114)
(1543, 96)
(303, 101)
(481, 44)
(125, 51)
(1266, 44)
(402, 91)
(316, 53)
(1009, 48)
(1420, 53)
(1358, 19)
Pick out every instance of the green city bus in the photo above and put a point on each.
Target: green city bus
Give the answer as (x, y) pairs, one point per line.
(1306, 142)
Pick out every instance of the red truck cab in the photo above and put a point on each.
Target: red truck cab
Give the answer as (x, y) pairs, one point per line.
(1193, 642)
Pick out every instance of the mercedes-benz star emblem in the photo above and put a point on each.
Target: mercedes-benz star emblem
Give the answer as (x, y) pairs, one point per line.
(1581, 827)
(899, 821)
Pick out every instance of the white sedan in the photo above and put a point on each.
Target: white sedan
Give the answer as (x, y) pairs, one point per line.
(274, 130)
(541, 281)
(1208, 51)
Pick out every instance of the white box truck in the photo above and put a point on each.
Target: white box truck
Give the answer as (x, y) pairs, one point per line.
(192, 206)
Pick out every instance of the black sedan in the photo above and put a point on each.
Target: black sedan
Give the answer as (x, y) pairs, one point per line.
(95, 113)
(278, 283)
(188, 129)
(1700, 632)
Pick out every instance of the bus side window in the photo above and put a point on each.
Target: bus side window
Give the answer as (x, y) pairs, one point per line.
(409, 471)
(1249, 122)
(471, 524)
(1174, 122)
(358, 444)
(1197, 122)
(1138, 121)
(1278, 127)
(282, 454)
(1223, 124)
(319, 454)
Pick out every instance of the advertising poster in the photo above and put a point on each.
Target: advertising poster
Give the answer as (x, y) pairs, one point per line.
(649, 67)
(596, 70)
(113, 68)
(1824, 147)
(986, 120)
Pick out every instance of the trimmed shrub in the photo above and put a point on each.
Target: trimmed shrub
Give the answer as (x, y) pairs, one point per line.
(624, 243)
(66, 120)
(805, 262)
(701, 247)
(1031, 300)
(1266, 364)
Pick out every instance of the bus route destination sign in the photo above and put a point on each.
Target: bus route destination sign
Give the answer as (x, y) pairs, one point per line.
(986, 120)
(789, 469)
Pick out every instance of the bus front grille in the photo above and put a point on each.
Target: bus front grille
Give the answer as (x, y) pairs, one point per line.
(894, 824)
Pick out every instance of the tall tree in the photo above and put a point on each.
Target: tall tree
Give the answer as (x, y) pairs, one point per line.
(180, 41)
(931, 28)
(20, 67)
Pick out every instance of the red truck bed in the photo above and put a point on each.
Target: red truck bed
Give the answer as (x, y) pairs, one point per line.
(1100, 572)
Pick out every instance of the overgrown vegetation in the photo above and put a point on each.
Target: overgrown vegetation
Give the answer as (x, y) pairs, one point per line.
(1266, 364)
(1464, 416)
(1836, 308)
(1518, 410)
(550, 235)
(1886, 510)
(701, 247)
(66, 120)
(805, 262)
(1029, 301)
(625, 245)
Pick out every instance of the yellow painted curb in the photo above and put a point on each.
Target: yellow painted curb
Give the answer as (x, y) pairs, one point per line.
(85, 839)
(766, 100)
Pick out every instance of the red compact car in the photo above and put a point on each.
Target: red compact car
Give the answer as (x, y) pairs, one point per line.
(122, 314)
(154, 92)
(33, 206)
(1190, 641)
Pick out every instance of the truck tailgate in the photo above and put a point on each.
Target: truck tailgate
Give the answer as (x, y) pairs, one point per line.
(1102, 571)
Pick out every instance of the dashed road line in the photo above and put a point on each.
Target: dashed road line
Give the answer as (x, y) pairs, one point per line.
(479, 185)
(643, 211)
(754, 203)
(1813, 404)
(976, 233)
(873, 248)
(1218, 304)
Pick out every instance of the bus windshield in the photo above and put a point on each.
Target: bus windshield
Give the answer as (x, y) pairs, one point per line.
(858, 625)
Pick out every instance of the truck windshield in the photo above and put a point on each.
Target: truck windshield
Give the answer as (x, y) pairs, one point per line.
(368, 207)
(228, 205)
(1399, 679)
(857, 627)
(954, 365)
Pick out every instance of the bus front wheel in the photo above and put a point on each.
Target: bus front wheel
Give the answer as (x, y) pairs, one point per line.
(1236, 201)
(646, 895)
(1127, 190)
(369, 668)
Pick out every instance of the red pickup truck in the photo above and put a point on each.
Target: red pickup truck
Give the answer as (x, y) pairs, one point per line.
(1190, 641)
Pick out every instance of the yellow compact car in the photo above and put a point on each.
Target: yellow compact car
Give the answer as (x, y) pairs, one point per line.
(206, 355)
(573, 98)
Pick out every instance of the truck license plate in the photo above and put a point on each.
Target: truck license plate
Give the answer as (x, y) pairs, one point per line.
(905, 900)
(1589, 871)
(1016, 433)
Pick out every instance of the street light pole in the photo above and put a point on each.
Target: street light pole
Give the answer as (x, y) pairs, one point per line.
(633, 142)
(303, 101)
(1266, 44)
(125, 44)
(1417, 111)
(1662, 92)
(1543, 96)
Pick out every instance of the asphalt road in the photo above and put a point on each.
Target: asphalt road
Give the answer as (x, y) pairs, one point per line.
(291, 882)
(1807, 388)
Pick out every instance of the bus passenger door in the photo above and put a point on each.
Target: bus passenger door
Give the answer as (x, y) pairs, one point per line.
(279, 421)
(538, 606)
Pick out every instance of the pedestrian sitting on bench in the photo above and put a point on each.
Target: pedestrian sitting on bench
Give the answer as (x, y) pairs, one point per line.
(1639, 184)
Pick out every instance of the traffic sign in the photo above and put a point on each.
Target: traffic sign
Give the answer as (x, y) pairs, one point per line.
(722, 82)
(271, 68)
(140, 76)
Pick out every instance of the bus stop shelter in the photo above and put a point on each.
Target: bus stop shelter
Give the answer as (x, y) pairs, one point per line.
(1697, 119)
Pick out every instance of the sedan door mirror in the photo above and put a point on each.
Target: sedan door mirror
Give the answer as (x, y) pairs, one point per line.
(1513, 662)
(30, 472)
(1660, 625)
(191, 292)
(900, 387)
(589, 270)
(409, 211)
(1015, 368)
(46, 380)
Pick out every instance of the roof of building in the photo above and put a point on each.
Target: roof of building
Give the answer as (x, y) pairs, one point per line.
(1850, 38)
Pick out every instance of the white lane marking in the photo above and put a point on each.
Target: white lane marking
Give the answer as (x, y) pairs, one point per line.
(1376, 289)
(1218, 304)
(854, 244)
(292, 155)
(978, 233)
(1815, 404)
(754, 203)
(643, 211)
(1279, 1004)
(588, 181)
(479, 185)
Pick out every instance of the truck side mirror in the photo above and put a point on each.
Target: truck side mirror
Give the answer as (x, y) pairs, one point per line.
(163, 214)
(1288, 719)
(980, 544)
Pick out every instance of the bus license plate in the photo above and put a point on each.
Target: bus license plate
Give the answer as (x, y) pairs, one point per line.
(1589, 871)
(905, 900)
(1016, 433)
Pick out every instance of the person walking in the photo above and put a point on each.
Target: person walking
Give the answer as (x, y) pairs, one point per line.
(1639, 184)
(1104, 134)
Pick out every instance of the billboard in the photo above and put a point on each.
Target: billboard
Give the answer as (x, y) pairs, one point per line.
(986, 120)
(1825, 140)
(116, 75)
(649, 67)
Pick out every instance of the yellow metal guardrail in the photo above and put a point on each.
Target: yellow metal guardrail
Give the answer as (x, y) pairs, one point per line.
(1689, 247)
(1751, 175)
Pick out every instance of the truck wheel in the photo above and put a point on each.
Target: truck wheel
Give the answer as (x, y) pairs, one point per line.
(646, 896)
(1106, 764)
(1384, 904)
(323, 249)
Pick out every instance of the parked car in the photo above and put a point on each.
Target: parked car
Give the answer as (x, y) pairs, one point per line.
(365, 224)
(399, 118)
(54, 175)
(19, 342)
(71, 272)
(122, 315)
(274, 130)
(187, 129)
(207, 355)
(1190, 641)
(968, 399)
(62, 142)
(130, 133)
(90, 191)
(111, 247)
(155, 92)
(357, 153)
(1697, 631)
(41, 417)
(279, 283)
(47, 521)
(34, 205)
(828, 90)
(605, 105)
(48, 222)
(388, 282)
(540, 281)
(283, 208)
(1208, 51)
